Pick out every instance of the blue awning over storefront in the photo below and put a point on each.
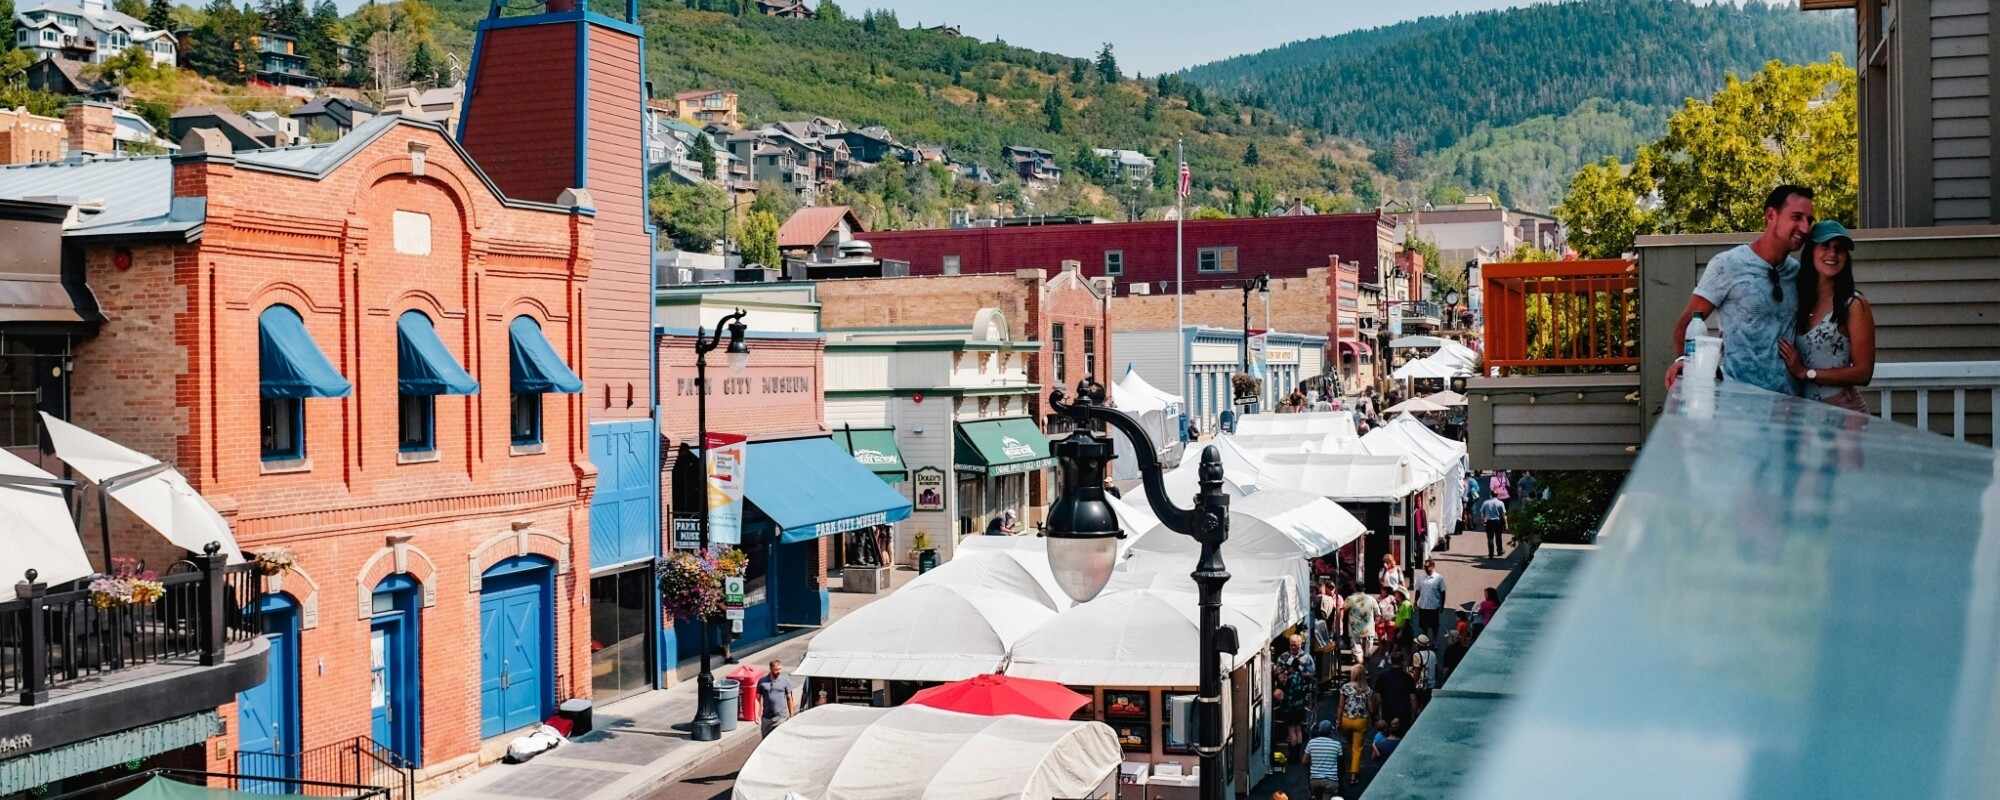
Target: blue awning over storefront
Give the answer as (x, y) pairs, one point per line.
(536, 366)
(423, 364)
(813, 488)
(290, 362)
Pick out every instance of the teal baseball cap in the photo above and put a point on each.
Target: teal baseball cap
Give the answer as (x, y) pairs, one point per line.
(1827, 230)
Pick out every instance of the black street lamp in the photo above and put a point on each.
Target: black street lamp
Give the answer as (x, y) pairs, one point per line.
(1083, 536)
(707, 726)
(1262, 286)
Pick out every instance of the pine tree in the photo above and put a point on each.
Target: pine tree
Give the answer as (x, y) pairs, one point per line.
(213, 48)
(1107, 64)
(704, 154)
(1077, 70)
(159, 15)
(1250, 156)
(423, 67)
(1052, 108)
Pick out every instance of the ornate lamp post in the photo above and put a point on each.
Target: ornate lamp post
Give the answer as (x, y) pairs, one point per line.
(1262, 286)
(707, 726)
(1083, 536)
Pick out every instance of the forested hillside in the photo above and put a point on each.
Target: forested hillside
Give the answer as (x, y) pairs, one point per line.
(1427, 84)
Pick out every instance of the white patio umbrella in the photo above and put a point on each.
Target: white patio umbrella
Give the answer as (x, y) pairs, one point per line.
(932, 632)
(1447, 398)
(1415, 404)
(41, 535)
(1142, 637)
(153, 491)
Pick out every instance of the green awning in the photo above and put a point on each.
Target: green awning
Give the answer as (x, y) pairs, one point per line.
(875, 448)
(1001, 447)
(162, 787)
(26, 772)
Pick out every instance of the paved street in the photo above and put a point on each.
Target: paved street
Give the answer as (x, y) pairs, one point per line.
(713, 779)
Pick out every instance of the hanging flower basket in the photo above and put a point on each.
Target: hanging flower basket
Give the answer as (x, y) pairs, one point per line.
(126, 585)
(691, 582)
(1246, 385)
(275, 560)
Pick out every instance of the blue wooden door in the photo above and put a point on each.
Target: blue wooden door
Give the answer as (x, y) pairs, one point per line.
(267, 715)
(395, 688)
(623, 527)
(515, 639)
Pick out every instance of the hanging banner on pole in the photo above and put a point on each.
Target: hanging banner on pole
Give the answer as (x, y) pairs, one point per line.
(724, 453)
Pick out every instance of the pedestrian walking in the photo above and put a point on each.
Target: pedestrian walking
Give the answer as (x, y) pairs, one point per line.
(1358, 705)
(1423, 669)
(1490, 605)
(1386, 741)
(1293, 675)
(1531, 489)
(1392, 573)
(1453, 653)
(1493, 513)
(1323, 772)
(1430, 598)
(774, 691)
(1397, 689)
(1360, 625)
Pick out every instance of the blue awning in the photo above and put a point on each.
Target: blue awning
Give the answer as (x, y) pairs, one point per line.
(423, 364)
(536, 366)
(813, 488)
(290, 362)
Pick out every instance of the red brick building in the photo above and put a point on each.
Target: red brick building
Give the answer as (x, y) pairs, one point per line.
(1217, 252)
(435, 494)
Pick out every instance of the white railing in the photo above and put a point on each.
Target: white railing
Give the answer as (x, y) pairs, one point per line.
(1915, 382)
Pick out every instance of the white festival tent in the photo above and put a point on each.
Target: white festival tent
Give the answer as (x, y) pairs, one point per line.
(1404, 435)
(1438, 365)
(1143, 637)
(1252, 581)
(934, 632)
(1157, 412)
(162, 497)
(1348, 477)
(41, 535)
(842, 752)
(1016, 565)
(1272, 523)
(1458, 352)
(1448, 398)
(1309, 425)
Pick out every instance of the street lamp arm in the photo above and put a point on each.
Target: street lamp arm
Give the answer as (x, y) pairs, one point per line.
(705, 343)
(1201, 522)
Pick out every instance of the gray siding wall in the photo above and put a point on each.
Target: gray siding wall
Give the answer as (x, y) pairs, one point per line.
(1553, 422)
(1961, 112)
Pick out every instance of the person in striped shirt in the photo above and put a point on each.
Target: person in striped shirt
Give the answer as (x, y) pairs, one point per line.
(1323, 753)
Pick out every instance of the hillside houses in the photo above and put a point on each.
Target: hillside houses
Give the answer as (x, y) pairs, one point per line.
(87, 31)
(1128, 165)
(1037, 167)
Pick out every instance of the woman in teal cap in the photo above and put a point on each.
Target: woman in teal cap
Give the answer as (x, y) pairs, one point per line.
(1833, 350)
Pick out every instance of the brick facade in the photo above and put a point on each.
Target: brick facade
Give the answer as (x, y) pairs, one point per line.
(173, 373)
(27, 138)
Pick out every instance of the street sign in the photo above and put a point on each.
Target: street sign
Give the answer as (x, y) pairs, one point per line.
(732, 592)
(733, 613)
(687, 532)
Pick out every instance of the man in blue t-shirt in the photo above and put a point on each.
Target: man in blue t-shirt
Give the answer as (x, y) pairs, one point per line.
(1747, 291)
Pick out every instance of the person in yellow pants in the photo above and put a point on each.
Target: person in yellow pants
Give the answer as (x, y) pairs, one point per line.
(1357, 707)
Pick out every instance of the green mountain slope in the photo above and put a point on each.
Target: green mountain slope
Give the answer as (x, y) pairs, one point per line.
(974, 97)
(1528, 164)
(1430, 82)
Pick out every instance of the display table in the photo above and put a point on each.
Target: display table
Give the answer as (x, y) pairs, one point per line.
(1139, 780)
(864, 580)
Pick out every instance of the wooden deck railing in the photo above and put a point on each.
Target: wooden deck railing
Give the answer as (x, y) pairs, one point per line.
(1562, 316)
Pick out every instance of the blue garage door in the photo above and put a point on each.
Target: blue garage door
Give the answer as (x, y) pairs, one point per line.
(516, 636)
(623, 524)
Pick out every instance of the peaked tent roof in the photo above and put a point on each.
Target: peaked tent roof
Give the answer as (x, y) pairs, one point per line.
(912, 752)
(930, 632)
(1143, 637)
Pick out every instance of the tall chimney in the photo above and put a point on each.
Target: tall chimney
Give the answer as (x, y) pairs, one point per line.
(89, 128)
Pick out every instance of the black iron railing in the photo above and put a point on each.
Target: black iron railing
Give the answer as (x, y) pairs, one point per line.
(360, 761)
(49, 640)
(257, 784)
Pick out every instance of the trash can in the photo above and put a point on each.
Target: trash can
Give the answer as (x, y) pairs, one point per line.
(577, 711)
(747, 676)
(728, 694)
(927, 561)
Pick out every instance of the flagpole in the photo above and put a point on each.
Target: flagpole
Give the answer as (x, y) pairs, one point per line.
(1180, 277)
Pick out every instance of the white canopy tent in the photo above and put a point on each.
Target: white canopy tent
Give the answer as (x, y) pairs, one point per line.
(40, 533)
(1447, 398)
(1271, 523)
(1306, 425)
(841, 752)
(1251, 581)
(1157, 412)
(1459, 352)
(1438, 365)
(156, 493)
(933, 632)
(1143, 637)
(1351, 477)
(1404, 435)
(1414, 404)
(1016, 565)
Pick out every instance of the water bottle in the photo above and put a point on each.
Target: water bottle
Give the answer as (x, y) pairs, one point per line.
(1697, 328)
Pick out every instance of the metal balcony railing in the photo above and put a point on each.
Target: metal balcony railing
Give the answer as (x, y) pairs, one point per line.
(49, 641)
(1562, 316)
(360, 761)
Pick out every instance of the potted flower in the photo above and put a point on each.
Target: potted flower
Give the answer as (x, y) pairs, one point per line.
(127, 584)
(272, 563)
(691, 581)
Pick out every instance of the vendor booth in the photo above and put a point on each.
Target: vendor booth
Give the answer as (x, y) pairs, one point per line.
(920, 753)
(1442, 500)
(922, 634)
(1158, 412)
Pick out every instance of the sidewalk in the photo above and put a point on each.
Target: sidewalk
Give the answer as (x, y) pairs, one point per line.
(636, 748)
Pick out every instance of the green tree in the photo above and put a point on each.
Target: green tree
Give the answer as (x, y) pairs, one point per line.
(1710, 172)
(159, 14)
(1263, 201)
(1250, 156)
(1107, 64)
(759, 243)
(776, 199)
(704, 154)
(1366, 193)
(691, 216)
(423, 67)
(131, 8)
(1052, 109)
(828, 11)
(1208, 212)
(319, 41)
(225, 31)
(6, 26)
(1078, 69)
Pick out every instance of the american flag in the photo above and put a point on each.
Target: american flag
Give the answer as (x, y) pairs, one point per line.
(1187, 180)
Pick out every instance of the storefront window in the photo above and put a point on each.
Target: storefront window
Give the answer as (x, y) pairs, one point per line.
(618, 626)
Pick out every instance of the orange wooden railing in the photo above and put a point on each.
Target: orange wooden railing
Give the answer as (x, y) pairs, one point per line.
(1562, 316)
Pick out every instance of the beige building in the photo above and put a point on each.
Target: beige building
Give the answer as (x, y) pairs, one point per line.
(28, 138)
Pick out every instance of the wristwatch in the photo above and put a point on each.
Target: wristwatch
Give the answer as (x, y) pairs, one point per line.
(1812, 374)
